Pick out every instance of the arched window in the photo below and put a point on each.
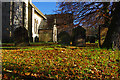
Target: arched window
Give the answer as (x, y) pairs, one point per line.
(36, 26)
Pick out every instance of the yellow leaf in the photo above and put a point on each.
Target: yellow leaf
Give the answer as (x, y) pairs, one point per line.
(56, 76)
(27, 73)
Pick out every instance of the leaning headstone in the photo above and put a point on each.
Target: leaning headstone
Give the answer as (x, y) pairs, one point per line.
(21, 36)
(79, 36)
(64, 38)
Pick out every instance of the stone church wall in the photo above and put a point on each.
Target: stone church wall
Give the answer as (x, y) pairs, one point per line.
(37, 23)
(16, 14)
(5, 22)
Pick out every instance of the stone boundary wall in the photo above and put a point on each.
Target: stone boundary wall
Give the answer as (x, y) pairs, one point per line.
(45, 35)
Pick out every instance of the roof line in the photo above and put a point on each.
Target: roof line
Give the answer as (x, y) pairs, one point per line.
(38, 11)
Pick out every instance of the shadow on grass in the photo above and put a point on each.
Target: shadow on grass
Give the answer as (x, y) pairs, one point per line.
(12, 48)
(15, 76)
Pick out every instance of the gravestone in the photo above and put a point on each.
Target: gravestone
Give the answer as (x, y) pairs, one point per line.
(116, 41)
(92, 39)
(64, 38)
(21, 36)
(79, 36)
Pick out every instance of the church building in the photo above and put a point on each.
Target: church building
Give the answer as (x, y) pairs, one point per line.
(16, 14)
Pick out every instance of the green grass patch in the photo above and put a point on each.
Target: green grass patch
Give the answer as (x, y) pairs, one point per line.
(61, 62)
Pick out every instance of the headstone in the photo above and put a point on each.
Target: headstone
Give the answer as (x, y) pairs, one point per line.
(79, 36)
(116, 40)
(21, 36)
(92, 39)
(64, 38)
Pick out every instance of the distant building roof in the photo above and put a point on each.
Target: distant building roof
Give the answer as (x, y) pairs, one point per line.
(61, 19)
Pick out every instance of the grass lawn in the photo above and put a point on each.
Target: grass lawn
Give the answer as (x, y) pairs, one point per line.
(59, 62)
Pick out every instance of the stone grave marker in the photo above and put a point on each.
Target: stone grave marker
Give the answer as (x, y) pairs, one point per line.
(79, 36)
(21, 36)
(64, 38)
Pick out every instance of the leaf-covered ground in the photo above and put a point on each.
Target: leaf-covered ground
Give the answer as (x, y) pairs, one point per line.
(60, 62)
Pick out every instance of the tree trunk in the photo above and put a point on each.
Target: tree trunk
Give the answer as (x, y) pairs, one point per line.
(99, 37)
(106, 23)
(113, 34)
(108, 41)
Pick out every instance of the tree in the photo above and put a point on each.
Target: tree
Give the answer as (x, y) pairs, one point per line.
(113, 34)
(93, 14)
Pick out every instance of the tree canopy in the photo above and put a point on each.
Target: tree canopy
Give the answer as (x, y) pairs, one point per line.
(88, 14)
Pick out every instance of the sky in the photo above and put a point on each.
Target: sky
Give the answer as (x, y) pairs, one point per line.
(46, 7)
